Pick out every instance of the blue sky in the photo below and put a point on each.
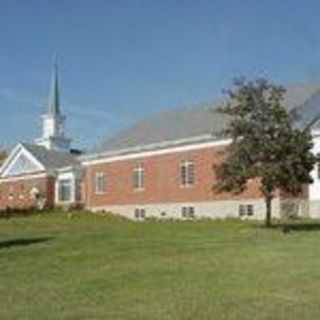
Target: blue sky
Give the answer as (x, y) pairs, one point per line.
(122, 60)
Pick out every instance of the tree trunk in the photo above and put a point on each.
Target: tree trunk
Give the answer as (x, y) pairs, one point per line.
(268, 211)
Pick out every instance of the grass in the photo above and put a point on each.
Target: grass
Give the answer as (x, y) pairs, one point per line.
(93, 267)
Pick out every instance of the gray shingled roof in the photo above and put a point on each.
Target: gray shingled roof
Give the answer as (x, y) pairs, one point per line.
(167, 126)
(200, 120)
(51, 159)
(310, 110)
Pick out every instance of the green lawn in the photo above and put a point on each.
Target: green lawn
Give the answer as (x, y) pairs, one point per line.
(92, 267)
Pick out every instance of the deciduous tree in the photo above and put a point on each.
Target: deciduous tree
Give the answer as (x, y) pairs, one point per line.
(266, 143)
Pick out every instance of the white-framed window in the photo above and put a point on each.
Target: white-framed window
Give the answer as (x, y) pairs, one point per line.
(139, 213)
(246, 210)
(64, 190)
(100, 183)
(187, 175)
(187, 212)
(138, 177)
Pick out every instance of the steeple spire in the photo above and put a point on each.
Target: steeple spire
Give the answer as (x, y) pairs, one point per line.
(53, 137)
(54, 96)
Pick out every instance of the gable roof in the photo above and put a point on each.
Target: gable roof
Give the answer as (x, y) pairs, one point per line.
(51, 159)
(187, 123)
(43, 159)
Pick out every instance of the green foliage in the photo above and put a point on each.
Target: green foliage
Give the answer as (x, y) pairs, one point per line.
(266, 142)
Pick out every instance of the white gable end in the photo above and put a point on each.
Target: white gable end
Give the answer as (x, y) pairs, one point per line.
(21, 162)
(22, 165)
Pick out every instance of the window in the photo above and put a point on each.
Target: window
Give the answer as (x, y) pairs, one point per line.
(191, 212)
(242, 211)
(138, 177)
(184, 212)
(187, 212)
(65, 190)
(100, 186)
(187, 173)
(78, 186)
(139, 213)
(246, 210)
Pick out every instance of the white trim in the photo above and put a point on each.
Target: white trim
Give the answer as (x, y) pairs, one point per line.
(34, 159)
(14, 156)
(29, 156)
(11, 164)
(165, 147)
(139, 170)
(158, 152)
(186, 164)
(138, 189)
(149, 147)
(10, 157)
(65, 169)
(24, 177)
(72, 191)
(65, 176)
(99, 175)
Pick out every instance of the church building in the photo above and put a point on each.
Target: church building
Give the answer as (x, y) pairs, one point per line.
(46, 172)
(161, 167)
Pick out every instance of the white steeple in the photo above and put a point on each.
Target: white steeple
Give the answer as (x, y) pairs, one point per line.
(53, 121)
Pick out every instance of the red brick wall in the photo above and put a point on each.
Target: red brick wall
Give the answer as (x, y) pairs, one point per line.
(304, 194)
(20, 192)
(162, 180)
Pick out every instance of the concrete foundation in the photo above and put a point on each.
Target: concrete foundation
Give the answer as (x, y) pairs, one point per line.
(213, 210)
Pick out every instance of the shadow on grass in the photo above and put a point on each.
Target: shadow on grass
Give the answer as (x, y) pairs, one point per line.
(22, 242)
(287, 227)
